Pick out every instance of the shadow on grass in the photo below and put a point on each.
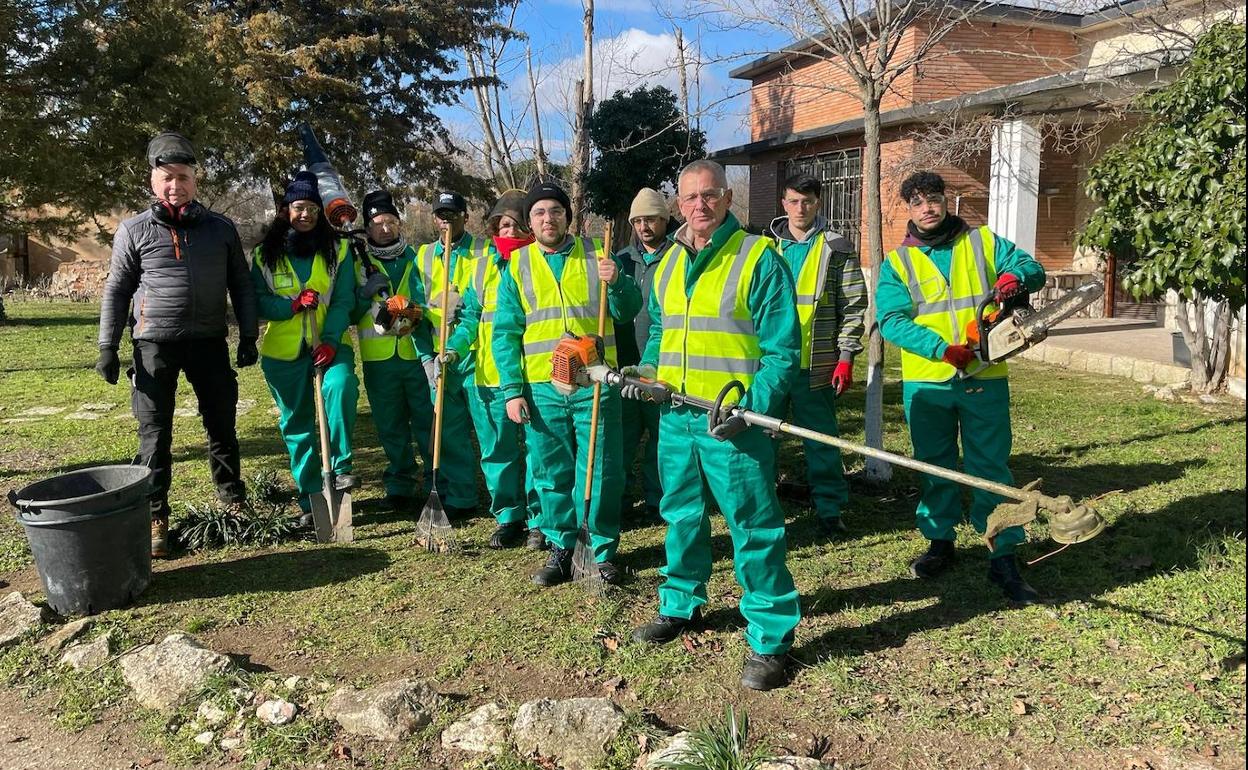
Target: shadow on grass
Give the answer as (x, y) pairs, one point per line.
(282, 571)
(1138, 546)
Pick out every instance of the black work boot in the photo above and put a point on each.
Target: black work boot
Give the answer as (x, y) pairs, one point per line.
(833, 528)
(665, 628)
(939, 556)
(536, 541)
(558, 568)
(763, 672)
(508, 535)
(401, 503)
(345, 482)
(1003, 570)
(609, 573)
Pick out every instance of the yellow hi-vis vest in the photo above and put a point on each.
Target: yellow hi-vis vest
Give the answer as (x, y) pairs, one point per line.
(552, 307)
(812, 283)
(284, 340)
(947, 306)
(429, 263)
(709, 337)
(485, 280)
(375, 346)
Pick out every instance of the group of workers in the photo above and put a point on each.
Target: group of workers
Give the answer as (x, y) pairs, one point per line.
(694, 307)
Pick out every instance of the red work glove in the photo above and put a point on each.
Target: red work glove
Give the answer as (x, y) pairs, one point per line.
(306, 300)
(323, 355)
(843, 376)
(960, 356)
(1007, 286)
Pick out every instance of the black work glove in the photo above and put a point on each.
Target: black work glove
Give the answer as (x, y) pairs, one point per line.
(729, 428)
(247, 353)
(373, 284)
(109, 365)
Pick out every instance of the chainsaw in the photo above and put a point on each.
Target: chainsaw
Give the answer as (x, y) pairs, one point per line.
(1002, 334)
(577, 362)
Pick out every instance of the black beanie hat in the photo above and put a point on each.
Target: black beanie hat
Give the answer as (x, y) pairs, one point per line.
(378, 202)
(302, 188)
(546, 191)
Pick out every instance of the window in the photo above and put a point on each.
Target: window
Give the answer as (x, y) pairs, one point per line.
(841, 199)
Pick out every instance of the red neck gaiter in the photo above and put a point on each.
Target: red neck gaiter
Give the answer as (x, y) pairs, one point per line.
(507, 245)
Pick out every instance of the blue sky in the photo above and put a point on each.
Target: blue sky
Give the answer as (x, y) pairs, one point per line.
(634, 45)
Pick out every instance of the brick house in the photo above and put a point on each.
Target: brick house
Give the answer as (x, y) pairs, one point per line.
(1029, 90)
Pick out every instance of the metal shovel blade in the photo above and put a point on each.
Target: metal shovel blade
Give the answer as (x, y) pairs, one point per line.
(322, 514)
(434, 532)
(344, 532)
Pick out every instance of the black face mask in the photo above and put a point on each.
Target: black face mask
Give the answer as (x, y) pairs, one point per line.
(177, 216)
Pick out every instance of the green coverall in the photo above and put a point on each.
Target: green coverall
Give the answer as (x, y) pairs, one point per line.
(457, 461)
(937, 411)
(816, 409)
(290, 382)
(739, 474)
(558, 442)
(398, 391)
(508, 477)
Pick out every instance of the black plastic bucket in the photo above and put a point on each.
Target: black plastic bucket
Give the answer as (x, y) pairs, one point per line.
(90, 533)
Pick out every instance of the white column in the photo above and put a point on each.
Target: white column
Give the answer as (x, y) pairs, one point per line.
(1015, 184)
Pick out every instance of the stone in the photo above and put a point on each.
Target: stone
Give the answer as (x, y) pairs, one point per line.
(164, 676)
(792, 763)
(229, 744)
(83, 416)
(18, 617)
(67, 633)
(277, 712)
(211, 714)
(1078, 360)
(1143, 371)
(292, 682)
(1208, 398)
(1057, 356)
(484, 731)
(42, 411)
(1169, 374)
(205, 738)
(1100, 363)
(387, 712)
(669, 751)
(1121, 366)
(1165, 394)
(89, 655)
(574, 732)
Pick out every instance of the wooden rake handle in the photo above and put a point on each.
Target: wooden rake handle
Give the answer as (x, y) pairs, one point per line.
(442, 327)
(602, 335)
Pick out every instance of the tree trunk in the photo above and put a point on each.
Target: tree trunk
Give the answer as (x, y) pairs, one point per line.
(537, 116)
(580, 139)
(876, 470)
(1208, 344)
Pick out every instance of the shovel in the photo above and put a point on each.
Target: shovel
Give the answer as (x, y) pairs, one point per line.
(331, 510)
(584, 569)
(434, 532)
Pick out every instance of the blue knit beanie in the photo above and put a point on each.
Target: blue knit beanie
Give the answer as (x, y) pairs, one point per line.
(302, 188)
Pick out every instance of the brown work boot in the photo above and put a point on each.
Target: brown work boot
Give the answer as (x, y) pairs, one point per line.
(160, 538)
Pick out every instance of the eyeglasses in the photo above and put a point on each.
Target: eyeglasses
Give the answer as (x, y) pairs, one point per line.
(709, 197)
(918, 200)
(305, 208)
(554, 212)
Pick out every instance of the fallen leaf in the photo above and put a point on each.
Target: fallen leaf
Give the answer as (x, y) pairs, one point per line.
(611, 643)
(614, 684)
(1112, 644)
(1209, 751)
(1190, 687)
(643, 742)
(1020, 707)
(342, 751)
(689, 643)
(264, 764)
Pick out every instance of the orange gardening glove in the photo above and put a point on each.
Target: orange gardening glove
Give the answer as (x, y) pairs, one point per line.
(400, 306)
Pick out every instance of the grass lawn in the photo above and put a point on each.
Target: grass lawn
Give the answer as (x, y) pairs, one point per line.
(1141, 646)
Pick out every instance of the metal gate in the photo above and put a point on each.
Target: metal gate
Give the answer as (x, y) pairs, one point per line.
(841, 199)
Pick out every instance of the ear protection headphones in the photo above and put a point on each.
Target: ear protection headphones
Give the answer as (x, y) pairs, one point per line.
(186, 214)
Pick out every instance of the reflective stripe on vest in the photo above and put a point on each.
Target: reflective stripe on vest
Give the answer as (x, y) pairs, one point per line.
(485, 282)
(709, 337)
(552, 307)
(429, 263)
(947, 306)
(812, 282)
(285, 340)
(375, 346)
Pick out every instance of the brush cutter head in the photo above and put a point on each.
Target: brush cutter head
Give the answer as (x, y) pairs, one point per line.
(572, 360)
(1068, 523)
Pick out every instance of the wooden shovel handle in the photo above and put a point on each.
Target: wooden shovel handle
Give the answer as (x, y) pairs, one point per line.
(602, 335)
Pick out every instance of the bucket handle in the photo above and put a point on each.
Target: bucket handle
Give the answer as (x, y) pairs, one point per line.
(21, 505)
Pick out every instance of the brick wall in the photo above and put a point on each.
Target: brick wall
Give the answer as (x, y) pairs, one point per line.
(980, 55)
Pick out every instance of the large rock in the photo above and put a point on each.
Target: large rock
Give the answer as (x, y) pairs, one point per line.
(164, 676)
(671, 750)
(484, 731)
(90, 654)
(387, 712)
(18, 617)
(574, 732)
(67, 633)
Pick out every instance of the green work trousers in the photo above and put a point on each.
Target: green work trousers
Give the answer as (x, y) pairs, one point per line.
(512, 497)
(641, 418)
(398, 393)
(558, 449)
(290, 382)
(816, 410)
(980, 410)
(739, 475)
(457, 462)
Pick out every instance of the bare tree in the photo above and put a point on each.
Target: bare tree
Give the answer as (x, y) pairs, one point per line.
(580, 130)
(537, 114)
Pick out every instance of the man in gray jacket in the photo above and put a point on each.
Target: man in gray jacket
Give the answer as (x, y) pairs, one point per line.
(171, 269)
